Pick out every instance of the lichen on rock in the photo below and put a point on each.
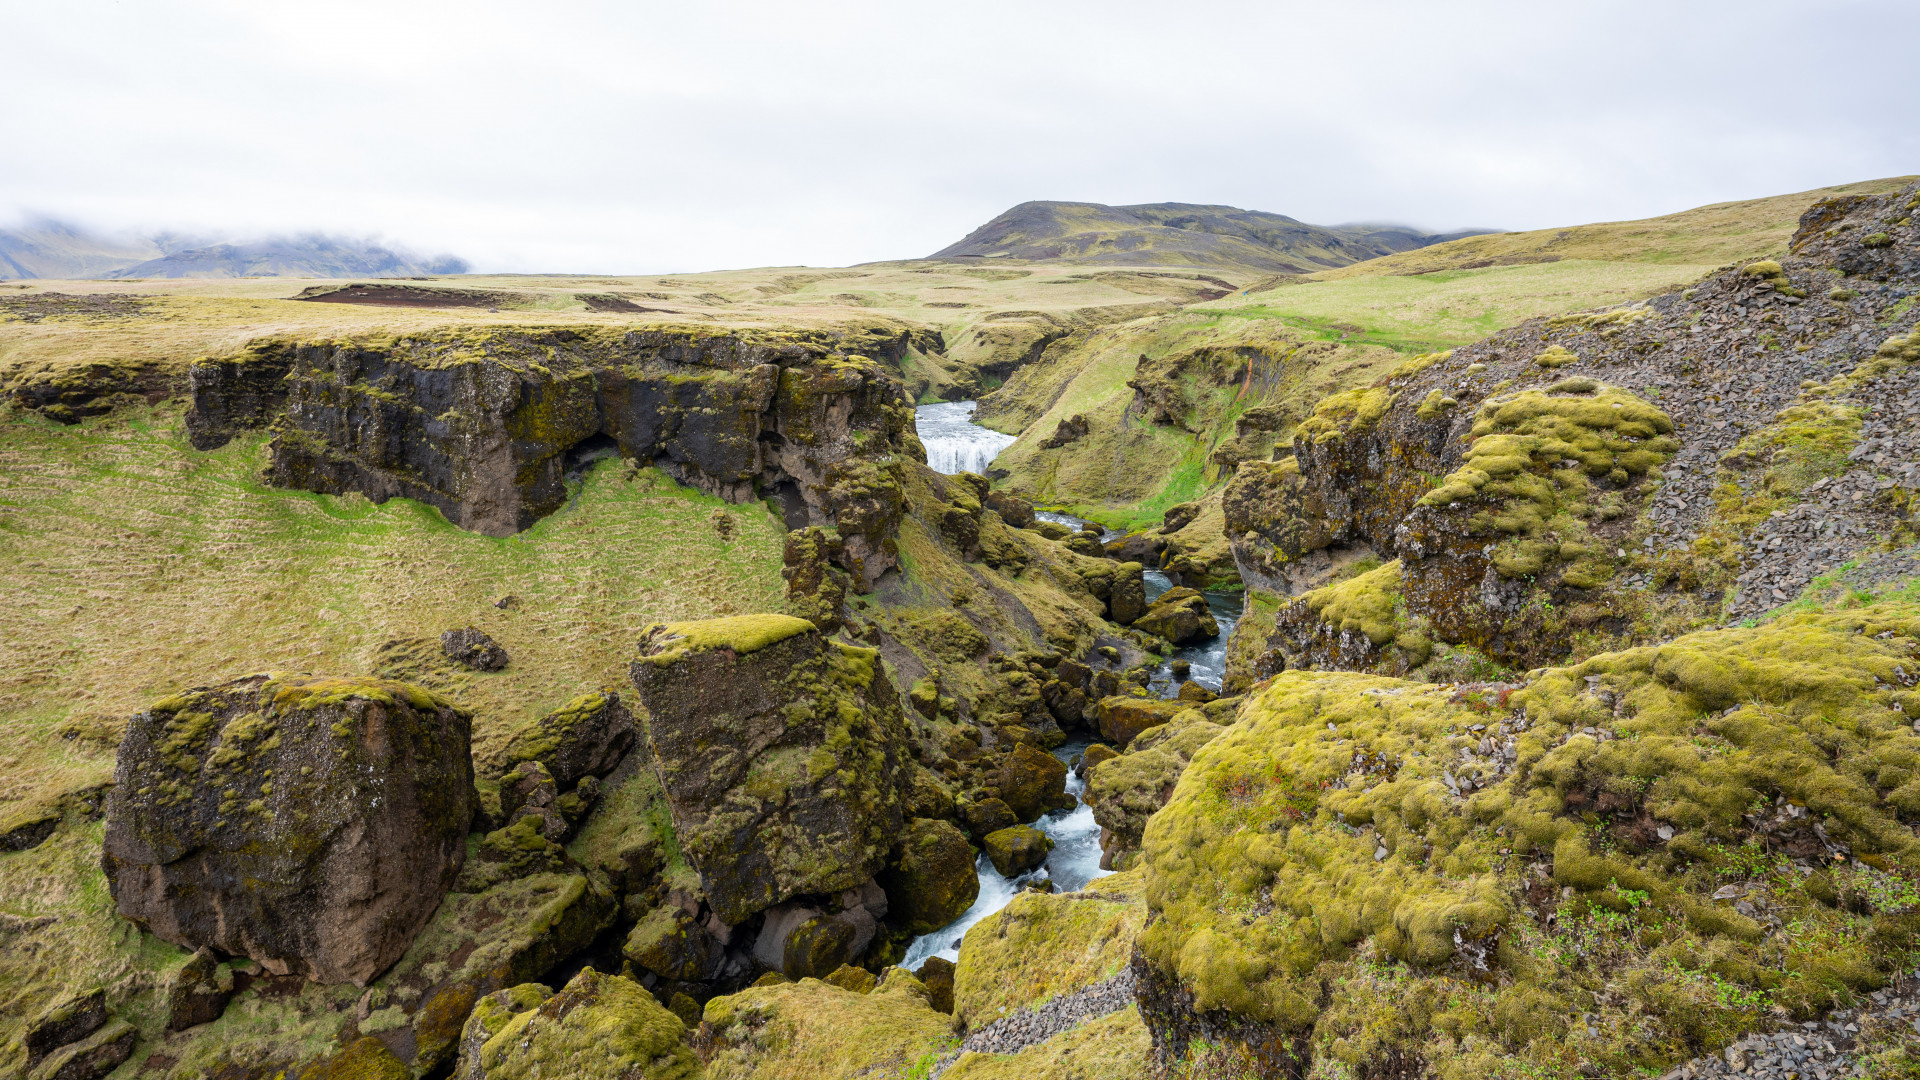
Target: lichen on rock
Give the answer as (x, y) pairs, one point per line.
(783, 756)
(311, 824)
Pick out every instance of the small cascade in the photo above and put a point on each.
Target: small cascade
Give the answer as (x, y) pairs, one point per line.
(1074, 861)
(954, 443)
(1208, 659)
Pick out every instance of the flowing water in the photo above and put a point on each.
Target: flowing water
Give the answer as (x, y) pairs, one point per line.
(1074, 861)
(954, 443)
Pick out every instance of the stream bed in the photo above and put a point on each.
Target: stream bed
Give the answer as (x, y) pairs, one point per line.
(956, 444)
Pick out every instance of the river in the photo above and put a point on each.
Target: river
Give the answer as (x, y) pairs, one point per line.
(955, 444)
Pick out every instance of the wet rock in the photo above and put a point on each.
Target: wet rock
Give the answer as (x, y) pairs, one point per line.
(1017, 849)
(598, 1027)
(1032, 782)
(310, 823)
(89, 1058)
(930, 880)
(472, 648)
(1123, 718)
(1195, 693)
(936, 974)
(988, 815)
(587, 736)
(818, 947)
(66, 1022)
(1181, 616)
(199, 992)
(783, 756)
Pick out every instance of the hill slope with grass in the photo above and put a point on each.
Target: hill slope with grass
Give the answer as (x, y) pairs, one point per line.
(1297, 337)
(1177, 234)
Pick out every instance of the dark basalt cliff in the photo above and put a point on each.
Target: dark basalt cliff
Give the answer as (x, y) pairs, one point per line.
(481, 423)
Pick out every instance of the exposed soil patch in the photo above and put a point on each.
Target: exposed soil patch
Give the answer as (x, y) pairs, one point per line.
(412, 296)
(611, 302)
(33, 307)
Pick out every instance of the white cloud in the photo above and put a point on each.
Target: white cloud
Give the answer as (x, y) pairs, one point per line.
(611, 137)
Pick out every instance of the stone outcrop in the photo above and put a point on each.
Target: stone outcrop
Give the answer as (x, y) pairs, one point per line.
(783, 756)
(1720, 445)
(930, 879)
(1181, 616)
(480, 423)
(598, 1027)
(1017, 849)
(587, 736)
(312, 824)
(472, 648)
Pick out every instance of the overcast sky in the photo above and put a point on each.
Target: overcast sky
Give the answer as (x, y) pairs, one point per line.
(636, 137)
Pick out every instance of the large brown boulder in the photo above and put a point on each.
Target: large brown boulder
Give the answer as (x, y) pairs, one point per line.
(312, 824)
(931, 880)
(1122, 718)
(1032, 782)
(783, 756)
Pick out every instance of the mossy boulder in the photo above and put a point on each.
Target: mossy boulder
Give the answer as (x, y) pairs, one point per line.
(490, 1014)
(1017, 849)
(312, 824)
(669, 943)
(1033, 782)
(783, 756)
(1674, 841)
(987, 816)
(818, 947)
(811, 1029)
(1181, 616)
(598, 1027)
(473, 648)
(1046, 945)
(1130, 788)
(930, 878)
(1128, 599)
(848, 977)
(587, 736)
(936, 974)
(1123, 718)
(365, 1058)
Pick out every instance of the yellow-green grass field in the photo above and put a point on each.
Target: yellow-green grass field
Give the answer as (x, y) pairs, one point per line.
(136, 566)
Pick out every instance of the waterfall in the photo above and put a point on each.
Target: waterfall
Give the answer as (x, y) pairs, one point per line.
(954, 442)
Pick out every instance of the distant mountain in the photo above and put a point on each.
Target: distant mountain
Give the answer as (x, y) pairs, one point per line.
(53, 249)
(1182, 234)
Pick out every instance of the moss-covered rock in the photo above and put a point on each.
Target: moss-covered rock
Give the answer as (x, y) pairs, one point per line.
(987, 816)
(669, 943)
(598, 1027)
(809, 1029)
(366, 1058)
(312, 824)
(1130, 788)
(1673, 840)
(1033, 782)
(1017, 849)
(490, 1014)
(1123, 718)
(1181, 616)
(783, 756)
(930, 878)
(936, 974)
(1044, 945)
(587, 736)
